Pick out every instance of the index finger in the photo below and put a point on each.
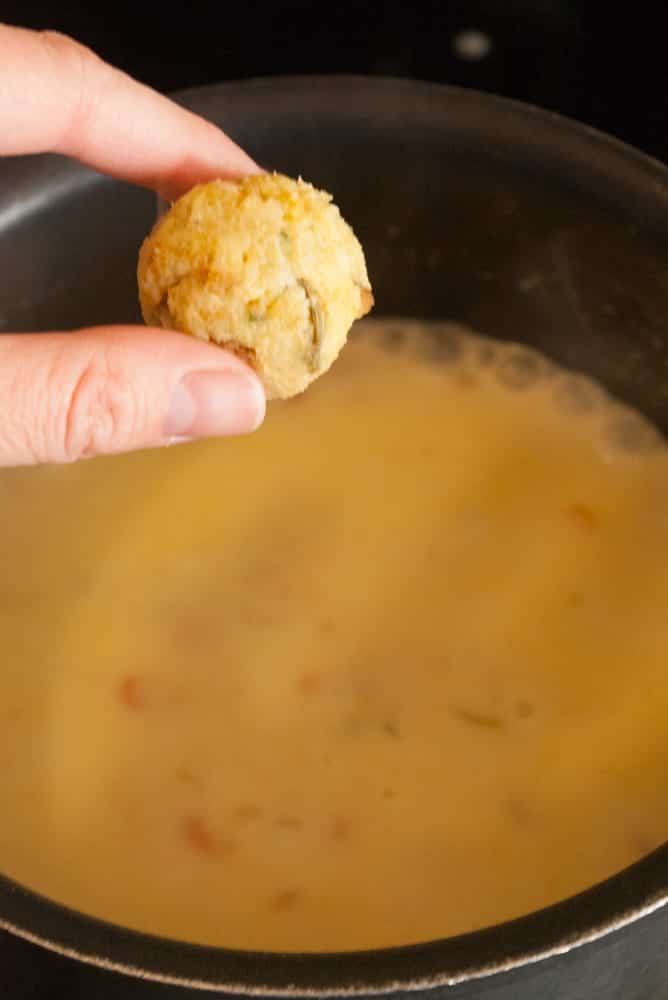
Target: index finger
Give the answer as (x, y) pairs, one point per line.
(57, 96)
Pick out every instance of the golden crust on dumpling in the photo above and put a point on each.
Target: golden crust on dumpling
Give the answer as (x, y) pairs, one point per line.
(265, 266)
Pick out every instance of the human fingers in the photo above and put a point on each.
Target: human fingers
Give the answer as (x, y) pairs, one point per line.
(57, 96)
(67, 396)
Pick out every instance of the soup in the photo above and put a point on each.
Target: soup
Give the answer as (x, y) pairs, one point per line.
(389, 670)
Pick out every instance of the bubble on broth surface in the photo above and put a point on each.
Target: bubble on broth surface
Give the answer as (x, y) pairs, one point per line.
(629, 433)
(577, 394)
(466, 356)
(394, 337)
(445, 344)
(520, 368)
(486, 352)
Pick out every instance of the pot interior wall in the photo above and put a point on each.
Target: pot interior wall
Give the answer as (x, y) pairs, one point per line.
(513, 224)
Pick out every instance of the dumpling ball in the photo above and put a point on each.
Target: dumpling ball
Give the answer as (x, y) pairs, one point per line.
(265, 266)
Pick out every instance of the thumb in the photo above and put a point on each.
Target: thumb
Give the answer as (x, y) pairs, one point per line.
(66, 396)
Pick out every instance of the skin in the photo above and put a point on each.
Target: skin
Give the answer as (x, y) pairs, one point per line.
(68, 396)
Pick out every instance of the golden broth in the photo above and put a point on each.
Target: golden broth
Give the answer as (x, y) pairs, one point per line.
(391, 669)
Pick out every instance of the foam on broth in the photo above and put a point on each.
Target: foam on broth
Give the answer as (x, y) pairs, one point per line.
(391, 669)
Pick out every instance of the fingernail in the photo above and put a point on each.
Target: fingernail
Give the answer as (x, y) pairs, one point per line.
(213, 403)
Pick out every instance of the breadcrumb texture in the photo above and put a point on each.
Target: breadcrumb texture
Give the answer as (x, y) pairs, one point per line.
(265, 266)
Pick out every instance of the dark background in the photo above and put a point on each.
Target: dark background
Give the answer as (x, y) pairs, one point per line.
(601, 61)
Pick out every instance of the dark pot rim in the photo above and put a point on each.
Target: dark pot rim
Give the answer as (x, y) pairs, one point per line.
(640, 889)
(634, 893)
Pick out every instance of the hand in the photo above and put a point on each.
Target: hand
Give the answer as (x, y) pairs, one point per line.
(66, 396)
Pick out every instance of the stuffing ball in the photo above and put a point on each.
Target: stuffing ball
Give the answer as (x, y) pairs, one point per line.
(265, 266)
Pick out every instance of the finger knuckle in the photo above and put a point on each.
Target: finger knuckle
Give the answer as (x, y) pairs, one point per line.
(63, 49)
(101, 412)
(78, 65)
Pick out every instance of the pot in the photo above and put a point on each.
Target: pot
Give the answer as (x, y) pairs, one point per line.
(505, 218)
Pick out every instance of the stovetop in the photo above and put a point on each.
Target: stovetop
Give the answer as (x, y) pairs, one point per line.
(599, 62)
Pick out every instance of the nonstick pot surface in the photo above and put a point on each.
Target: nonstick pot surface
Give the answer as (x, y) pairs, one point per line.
(515, 222)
